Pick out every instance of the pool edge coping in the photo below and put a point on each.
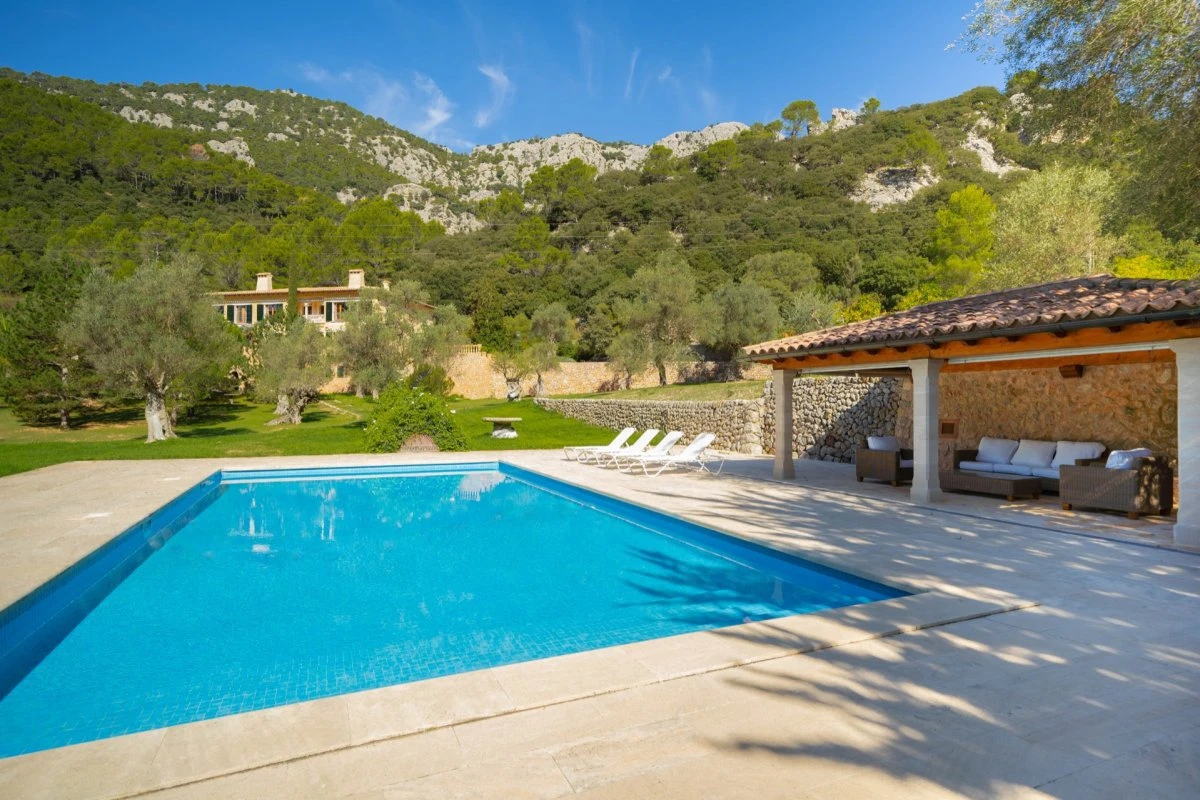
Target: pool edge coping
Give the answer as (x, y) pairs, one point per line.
(524, 686)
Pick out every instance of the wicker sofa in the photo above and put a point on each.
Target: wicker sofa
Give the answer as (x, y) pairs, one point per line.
(1146, 488)
(1049, 469)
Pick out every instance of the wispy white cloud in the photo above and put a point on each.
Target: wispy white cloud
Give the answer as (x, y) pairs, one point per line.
(502, 93)
(438, 109)
(664, 74)
(585, 54)
(710, 102)
(417, 104)
(633, 59)
(315, 73)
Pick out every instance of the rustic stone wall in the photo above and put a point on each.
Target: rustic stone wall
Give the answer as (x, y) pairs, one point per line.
(476, 377)
(1122, 406)
(737, 423)
(832, 417)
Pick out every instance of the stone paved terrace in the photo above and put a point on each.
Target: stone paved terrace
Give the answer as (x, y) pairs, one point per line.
(1090, 690)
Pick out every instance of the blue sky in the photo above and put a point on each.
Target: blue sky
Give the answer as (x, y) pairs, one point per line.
(470, 73)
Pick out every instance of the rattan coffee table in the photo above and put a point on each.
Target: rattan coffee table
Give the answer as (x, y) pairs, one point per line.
(1008, 486)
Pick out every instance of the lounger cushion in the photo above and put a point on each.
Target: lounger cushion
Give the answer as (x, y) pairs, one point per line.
(1013, 469)
(1123, 459)
(906, 463)
(889, 443)
(996, 451)
(1046, 472)
(1070, 452)
(976, 466)
(1034, 453)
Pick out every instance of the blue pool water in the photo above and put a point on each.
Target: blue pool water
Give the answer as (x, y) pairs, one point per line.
(260, 589)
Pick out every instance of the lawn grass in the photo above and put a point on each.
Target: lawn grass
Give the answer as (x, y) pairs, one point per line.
(334, 424)
(721, 390)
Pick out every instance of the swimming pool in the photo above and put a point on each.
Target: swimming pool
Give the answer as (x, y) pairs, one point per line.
(257, 589)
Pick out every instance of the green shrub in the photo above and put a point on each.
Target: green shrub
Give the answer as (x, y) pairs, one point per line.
(431, 379)
(402, 412)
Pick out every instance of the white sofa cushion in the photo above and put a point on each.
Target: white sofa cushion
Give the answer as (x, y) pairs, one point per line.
(888, 443)
(996, 451)
(976, 466)
(1034, 453)
(1013, 469)
(1123, 459)
(1070, 452)
(1046, 472)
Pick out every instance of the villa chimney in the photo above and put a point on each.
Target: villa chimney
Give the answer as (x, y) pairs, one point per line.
(356, 279)
(264, 282)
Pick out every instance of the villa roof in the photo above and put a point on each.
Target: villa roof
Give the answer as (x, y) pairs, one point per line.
(1058, 306)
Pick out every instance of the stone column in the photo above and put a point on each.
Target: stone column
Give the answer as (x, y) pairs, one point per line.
(926, 488)
(782, 380)
(1187, 373)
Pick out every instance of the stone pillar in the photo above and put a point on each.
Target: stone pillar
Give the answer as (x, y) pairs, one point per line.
(1187, 369)
(782, 380)
(926, 488)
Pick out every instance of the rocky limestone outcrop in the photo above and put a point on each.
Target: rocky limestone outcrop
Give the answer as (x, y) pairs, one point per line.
(890, 185)
(236, 106)
(511, 163)
(177, 99)
(839, 119)
(235, 147)
(142, 115)
(415, 197)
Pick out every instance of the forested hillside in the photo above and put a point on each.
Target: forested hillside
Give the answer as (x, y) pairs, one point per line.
(884, 209)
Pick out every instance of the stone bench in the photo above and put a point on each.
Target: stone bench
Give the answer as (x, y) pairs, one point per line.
(502, 427)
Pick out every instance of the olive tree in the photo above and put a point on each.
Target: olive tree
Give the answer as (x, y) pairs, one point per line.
(735, 315)
(659, 322)
(155, 334)
(292, 365)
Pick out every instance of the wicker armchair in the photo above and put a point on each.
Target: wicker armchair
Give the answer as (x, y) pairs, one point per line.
(1148, 488)
(883, 465)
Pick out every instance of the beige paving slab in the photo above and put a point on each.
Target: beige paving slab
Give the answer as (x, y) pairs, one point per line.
(532, 776)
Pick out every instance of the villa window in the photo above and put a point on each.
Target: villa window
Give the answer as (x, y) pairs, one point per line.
(243, 314)
(271, 309)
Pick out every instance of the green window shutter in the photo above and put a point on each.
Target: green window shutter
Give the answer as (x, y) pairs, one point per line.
(229, 312)
(329, 311)
(258, 313)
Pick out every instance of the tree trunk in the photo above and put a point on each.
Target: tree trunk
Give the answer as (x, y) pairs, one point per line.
(358, 391)
(281, 405)
(158, 421)
(64, 413)
(662, 373)
(540, 391)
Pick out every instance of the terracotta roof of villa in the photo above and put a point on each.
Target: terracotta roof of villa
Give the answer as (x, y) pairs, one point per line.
(1075, 303)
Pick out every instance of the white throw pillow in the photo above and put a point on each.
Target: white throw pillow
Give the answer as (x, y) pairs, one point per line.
(889, 443)
(1034, 453)
(1070, 452)
(1123, 459)
(996, 451)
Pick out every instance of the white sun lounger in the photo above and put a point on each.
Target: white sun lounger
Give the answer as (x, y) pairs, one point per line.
(639, 446)
(626, 460)
(694, 455)
(615, 444)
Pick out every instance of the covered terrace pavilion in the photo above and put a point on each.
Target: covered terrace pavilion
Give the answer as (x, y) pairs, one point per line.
(1067, 325)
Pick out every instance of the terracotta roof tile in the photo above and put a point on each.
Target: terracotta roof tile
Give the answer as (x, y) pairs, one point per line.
(1099, 297)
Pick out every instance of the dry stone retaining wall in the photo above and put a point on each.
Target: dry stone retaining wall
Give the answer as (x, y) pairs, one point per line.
(737, 423)
(833, 416)
(476, 378)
